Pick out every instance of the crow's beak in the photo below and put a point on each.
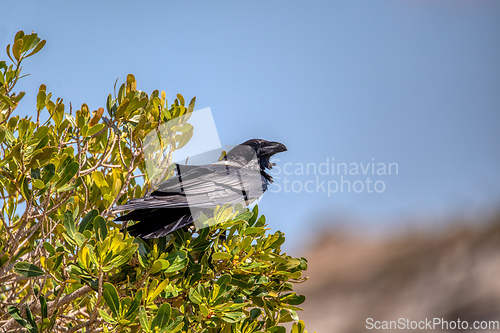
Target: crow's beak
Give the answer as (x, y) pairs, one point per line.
(273, 148)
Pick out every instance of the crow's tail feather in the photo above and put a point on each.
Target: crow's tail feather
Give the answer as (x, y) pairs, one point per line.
(154, 223)
(148, 230)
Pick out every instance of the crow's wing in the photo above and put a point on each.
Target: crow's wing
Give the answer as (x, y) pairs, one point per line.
(203, 187)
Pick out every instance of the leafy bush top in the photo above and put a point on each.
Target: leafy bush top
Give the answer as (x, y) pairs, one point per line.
(64, 264)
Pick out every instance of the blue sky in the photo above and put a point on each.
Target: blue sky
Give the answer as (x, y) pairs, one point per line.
(415, 83)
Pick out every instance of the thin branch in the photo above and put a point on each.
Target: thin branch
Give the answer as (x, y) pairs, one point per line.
(80, 326)
(137, 176)
(52, 306)
(111, 165)
(90, 170)
(50, 211)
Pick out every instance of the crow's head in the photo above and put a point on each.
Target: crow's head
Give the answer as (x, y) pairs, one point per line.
(256, 150)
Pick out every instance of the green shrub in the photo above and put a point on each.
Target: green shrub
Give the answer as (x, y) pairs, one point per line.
(64, 264)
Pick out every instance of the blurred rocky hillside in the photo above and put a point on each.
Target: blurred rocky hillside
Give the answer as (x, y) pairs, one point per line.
(451, 274)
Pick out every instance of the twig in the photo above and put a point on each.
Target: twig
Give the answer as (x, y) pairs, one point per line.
(106, 156)
(61, 202)
(52, 306)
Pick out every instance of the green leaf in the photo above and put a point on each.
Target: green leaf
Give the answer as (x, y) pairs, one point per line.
(291, 263)
(79, 238)
(58, 261)
(162, 317)
(26, 269)
(253, 231)
(233, 317)
(122, 107)
(16, 49)
(204, 310)
(159, 265)
(224, 280)
(87, 220)
(135, 304)
(41, 100)
(214, 293)
(143, 319)
(176, 325)
(38, 184)
(99, 180)
(30, 41)
(154, 292)
(178, 260)
(37, 49)
(4, 259)
(48, 172)
(131, 83)
(100, 227)
(67, 173)
(7, 100)
(107, 317)
(31, 318)
(293, 299)
(16, 314)
(69, 224)
(254, 313)
(301, 325)
(41, 133)
(25, 191)
(177, 265)
(253, 219)
(111, 298)
(191, 104)
(194, 296)
(71, 119)
(246, 216)
(180, 98)
(293, 315)
(221, 256)
(95, 129)
(43, 306)
(2, 133)
(276, 329)
(36, 289)
(49, 248)
(95, 119)
(124, 256)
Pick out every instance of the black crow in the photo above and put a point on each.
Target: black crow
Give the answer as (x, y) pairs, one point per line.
(239, 178)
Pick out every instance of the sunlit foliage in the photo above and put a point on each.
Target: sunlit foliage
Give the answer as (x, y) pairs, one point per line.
(65, 266)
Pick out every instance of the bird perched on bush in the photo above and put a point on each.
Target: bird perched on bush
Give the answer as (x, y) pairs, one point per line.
(240, 177)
